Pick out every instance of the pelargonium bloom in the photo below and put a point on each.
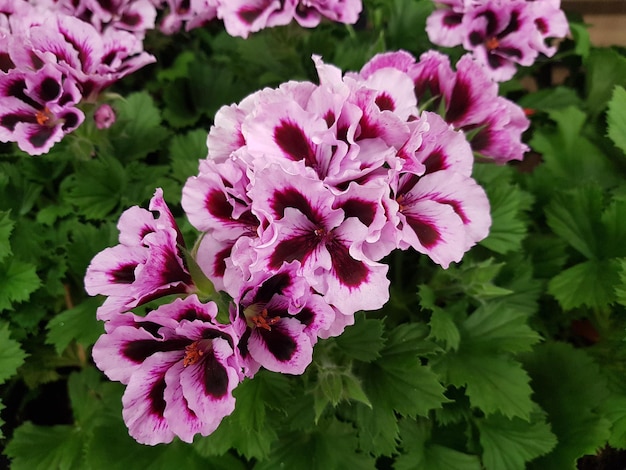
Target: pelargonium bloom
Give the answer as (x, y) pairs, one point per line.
(146, 264)
(180, 367)
(500, 33)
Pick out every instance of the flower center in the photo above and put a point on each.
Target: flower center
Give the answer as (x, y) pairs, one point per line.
(43, 116)
(492, 43)
(260, 319)
(195, 351)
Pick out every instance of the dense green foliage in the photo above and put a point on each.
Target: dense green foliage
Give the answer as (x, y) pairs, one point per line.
(512, 359)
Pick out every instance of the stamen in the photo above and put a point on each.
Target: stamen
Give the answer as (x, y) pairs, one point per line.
(399, 200)
(319, 232)
(492, 43)
(43, 116)
(262, 321)
(193, 354)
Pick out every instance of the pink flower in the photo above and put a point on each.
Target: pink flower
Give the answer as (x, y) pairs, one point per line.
(104, 116)
(147, 263)
(179, 366)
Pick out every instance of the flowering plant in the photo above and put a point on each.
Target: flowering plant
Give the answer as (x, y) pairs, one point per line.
(262, 234)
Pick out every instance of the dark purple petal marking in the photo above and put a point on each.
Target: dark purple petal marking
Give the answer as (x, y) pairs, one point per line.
(124, 274)
(495, 61)
(460, 100)
(249, 14)
(458, 208)
(219, 263)
(17, 89)
(492, 21)
(218, 206)
(435, 161)
(350, 272)
(6, 63)
(296, 248)
(425, 231)
(369, 130)
(305, 316)
(363, 210)
(70, 120)
(139, 350)
(8, 121)
(278, 342)
(293, 141)
(385, 102)
(407, 182)
(541, 25)
(330, 118)
(274, 285)
(151, 327)
(48, 89)
(130, 19)
(452, 19)
(512, 26)
(36, 61)
(156, 397)
(215, 376)
(39, 138)
(475, 38)
(510, 51)
(173, 271)
(291, 197)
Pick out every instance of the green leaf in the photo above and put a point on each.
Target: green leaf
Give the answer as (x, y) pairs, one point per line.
(378, 430)
(6, 227)
(11, 354)
(186, 151)
(2, 423)
(331, 445)
(614, 409)
(508, 228)
(137, 131)
(494, 384)
(606, 68)
(444, 329)
(363, 340)
(409, 388)
(616, 118)
(18, 280)
(77, 324)
(492, 328)
(575, 216)
(45, 447)
(569, 387)
(422, 454)
(580, 33)
(591, 283)
(551, 98)
(509, 443)
(96, 187)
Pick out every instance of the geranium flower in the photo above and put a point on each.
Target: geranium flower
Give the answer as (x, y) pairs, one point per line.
(147, 264)
(38, 108)
(179, 366)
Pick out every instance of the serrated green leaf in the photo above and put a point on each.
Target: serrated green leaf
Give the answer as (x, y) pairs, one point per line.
(77, 324)
(569, 387)
(6, 227)
(11, 354)
(616, 118)
(18, 280)
(575, 217)
(137, 131)
(96, 187)
(614, 230)
(421, 454)
(331, 445)
(591, 283)
(509, 443)
(331, 386)
(494, 384)
(185, 153)
(353, 390)
(492, 328)
(507, 228)
(551, 98)
(444, 329)
(606, 68)
(614, 409)
(410, 389)
(363, 340)
(378, 430)
(45, 447)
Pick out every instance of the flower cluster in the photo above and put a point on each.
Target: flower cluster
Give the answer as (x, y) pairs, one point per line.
(50, 62)
(500, 33)
(242, 17)
(305, 190)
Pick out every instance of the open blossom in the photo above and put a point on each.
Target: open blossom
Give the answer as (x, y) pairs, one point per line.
(501, 34)
(146, 264)
(180, 367)
(469, 99)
